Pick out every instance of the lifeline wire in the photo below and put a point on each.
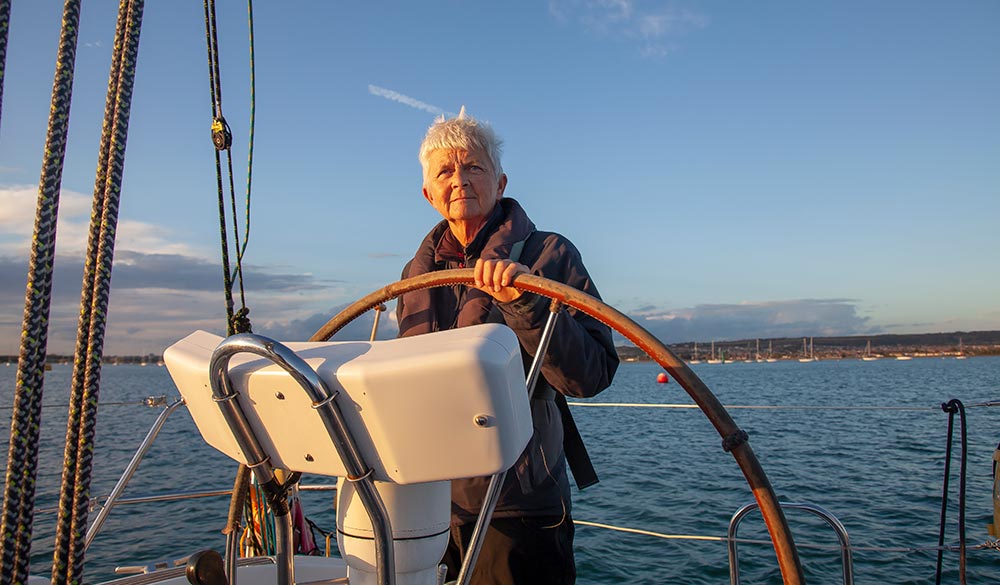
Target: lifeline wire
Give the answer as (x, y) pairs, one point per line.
(991, 545)
(71, 528)
(765, 406)
(101, 404)
(22, 459)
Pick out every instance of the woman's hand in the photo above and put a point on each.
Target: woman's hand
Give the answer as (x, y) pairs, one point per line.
(495, 276)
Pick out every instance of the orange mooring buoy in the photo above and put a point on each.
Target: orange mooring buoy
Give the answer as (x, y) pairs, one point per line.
(662, 378)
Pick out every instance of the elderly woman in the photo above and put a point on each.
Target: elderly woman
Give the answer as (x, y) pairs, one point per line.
(530, 539)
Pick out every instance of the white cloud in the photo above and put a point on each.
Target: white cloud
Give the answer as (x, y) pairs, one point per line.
(154, 302)
(652, 24)
(18, 203)
(786, 318)
(18, 206)
(161, 289)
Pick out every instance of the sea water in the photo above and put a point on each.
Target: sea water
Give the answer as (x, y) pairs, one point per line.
(864, 440)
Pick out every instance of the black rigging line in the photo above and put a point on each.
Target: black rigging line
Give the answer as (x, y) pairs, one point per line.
(238, 321)
(22, 461)
(4, 26)
(221, 137)
(951, 407)
(253, 115)
(74, 504)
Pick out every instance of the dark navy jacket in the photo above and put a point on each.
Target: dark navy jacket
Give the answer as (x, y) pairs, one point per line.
(580, 361)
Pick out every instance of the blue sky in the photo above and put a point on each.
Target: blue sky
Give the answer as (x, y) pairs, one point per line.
(728, 169)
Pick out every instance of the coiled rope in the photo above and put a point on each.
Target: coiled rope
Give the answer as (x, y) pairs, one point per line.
(74, 496)
(22, 459)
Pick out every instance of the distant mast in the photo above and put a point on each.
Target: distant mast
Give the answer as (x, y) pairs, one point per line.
(807, 353)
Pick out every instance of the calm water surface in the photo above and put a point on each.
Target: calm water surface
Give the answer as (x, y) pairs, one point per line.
(879, 469)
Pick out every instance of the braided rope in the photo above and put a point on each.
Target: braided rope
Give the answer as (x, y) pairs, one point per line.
(242, 324)
(4, 26)
(62, 539)
(68, 558)
(214, 75)
(22, 461)
(253, 116)
(236, 322)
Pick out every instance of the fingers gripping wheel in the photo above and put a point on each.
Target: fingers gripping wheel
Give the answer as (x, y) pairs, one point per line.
(206, 568)
(781, 537)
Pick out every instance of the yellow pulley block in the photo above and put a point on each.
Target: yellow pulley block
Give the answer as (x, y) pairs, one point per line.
(222, 137)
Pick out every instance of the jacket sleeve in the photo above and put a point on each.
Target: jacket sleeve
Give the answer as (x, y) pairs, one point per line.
(400, 308)
(581, 359)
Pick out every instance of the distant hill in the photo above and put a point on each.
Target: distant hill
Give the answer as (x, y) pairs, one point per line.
(971, 343)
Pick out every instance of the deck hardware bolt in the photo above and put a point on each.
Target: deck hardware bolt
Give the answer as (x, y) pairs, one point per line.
(279, 395)
(309, 457)
(481, 420)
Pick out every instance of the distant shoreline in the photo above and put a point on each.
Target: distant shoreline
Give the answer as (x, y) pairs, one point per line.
(966, 343)
(883, 346)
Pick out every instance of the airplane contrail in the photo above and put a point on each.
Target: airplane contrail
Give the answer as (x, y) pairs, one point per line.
(405, 100)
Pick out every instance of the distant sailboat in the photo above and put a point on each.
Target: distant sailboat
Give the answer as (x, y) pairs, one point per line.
(695, 360)
(713, 359)
(807, 353)
(868, 357)
(770, 353)
(961, 351)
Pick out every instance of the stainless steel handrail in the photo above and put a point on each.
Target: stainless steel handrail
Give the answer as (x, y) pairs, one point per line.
(838, 527)
(147, 442)
(325, 403)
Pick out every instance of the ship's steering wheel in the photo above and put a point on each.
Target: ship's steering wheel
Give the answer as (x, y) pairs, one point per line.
(733, 438)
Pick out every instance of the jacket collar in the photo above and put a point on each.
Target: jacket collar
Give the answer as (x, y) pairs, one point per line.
(508, 223)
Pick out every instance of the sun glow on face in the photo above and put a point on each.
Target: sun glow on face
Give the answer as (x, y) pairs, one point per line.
(463, 187)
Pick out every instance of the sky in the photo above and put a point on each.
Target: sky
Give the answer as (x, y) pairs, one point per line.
(728, 170)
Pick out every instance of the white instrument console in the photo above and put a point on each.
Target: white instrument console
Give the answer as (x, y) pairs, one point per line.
(428, 408)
